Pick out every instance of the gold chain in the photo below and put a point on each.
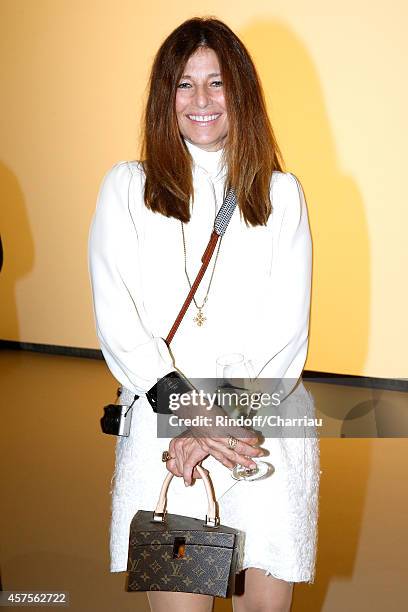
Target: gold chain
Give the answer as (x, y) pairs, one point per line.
(199, 318)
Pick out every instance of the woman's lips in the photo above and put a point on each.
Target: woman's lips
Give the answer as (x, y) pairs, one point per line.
(204, 120)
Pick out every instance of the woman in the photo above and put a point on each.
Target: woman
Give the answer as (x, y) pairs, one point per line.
(205, 129)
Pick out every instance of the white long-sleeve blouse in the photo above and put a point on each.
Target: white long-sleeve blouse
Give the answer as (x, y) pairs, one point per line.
(259, 300)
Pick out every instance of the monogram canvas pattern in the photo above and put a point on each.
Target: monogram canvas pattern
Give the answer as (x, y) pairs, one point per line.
(207, 564)
(164, 536)
(204, 569)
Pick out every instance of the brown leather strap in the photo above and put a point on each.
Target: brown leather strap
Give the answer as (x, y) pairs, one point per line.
(205, 261)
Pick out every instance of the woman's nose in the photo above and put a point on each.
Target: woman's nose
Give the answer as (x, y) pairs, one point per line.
(201, 97)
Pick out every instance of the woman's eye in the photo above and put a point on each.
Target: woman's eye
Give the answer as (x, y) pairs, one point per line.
(186, 85)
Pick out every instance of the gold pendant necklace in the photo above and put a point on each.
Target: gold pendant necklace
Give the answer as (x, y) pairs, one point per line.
(199, 319)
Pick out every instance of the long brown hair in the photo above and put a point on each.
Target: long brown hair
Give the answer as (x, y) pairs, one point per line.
(250, 152)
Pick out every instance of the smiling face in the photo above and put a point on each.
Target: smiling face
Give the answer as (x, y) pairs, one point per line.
(200, 105)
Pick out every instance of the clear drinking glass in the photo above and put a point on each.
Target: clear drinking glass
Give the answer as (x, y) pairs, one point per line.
(234, 373)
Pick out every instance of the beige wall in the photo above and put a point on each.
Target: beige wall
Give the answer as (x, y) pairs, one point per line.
(74, 75)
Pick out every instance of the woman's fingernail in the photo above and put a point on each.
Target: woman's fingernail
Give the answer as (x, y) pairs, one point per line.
(186, 483)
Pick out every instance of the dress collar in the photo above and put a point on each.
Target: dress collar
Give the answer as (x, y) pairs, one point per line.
(210, 161)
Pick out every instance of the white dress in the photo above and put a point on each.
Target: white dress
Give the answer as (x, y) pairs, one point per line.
(258, 306)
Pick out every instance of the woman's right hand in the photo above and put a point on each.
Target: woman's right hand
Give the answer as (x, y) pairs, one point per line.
(213, 438)
(188, 450)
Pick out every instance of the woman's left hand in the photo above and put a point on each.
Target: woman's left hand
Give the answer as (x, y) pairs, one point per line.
(187, 454)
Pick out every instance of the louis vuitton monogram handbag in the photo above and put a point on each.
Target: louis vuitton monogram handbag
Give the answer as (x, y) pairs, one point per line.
(170, 552)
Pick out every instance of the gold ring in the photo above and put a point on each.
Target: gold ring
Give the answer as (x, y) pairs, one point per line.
(166, 456)
(232, 442)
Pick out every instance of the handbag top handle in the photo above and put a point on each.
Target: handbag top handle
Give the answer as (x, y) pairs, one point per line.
(212, 518)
